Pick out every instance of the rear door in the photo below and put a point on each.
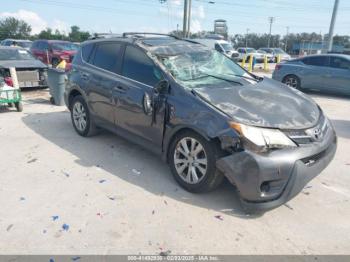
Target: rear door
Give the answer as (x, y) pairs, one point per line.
(136, 87)
(340, 75)
(315, 72)
(100, 76)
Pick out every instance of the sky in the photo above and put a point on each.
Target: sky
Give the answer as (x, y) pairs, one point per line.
(117, 16)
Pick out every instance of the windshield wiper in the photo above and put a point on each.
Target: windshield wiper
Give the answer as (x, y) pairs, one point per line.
(246, 77)
(225, 79)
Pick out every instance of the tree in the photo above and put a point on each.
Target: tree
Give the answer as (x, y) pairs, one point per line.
(76, 35)
(11, 27)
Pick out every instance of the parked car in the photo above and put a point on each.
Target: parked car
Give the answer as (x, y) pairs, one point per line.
(30, 71)
(204, 114)
(326, 73)
(270, 57)
(276, 52)
(26, 44)
(54, 51)
(221, 46)
(246, 52)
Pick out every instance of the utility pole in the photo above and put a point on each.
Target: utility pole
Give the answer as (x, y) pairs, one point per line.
(189, 18)
(246, 38)
(331, 27)
(271, 20)
(285, 48)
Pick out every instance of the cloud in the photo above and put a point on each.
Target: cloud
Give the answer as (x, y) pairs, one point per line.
(32, 18)
(36, 22)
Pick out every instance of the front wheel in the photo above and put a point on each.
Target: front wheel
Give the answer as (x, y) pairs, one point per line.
(19, 106)
(192, 161)
(81, 118)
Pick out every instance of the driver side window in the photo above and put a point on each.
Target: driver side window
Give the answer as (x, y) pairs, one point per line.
(138, 66)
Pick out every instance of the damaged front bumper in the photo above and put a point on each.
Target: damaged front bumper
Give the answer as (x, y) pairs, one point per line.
(266, 181)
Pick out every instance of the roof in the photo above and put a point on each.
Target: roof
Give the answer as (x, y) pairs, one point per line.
(12, 47)
(329, 54)
(17, 40)
(158, 45)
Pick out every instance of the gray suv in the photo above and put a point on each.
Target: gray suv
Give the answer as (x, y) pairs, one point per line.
(203, 114)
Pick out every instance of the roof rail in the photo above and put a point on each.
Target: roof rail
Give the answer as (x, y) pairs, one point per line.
(137, 34)
(104, 35)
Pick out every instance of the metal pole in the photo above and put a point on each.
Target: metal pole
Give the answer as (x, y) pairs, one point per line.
(331, 27)
(184, 29)
(271, 19)
(246, 38)
(285, 48)
(189, 18)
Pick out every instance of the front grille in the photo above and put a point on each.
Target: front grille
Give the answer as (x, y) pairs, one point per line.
(309, 161)
(307, 136)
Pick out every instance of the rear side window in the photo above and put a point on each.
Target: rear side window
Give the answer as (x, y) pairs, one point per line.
(340, 63)
(316, 61)
(138, 66)
(106, 56)
(86, 51)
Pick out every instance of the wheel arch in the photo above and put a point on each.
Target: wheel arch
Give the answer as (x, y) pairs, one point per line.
(73, 93)
(177, 131)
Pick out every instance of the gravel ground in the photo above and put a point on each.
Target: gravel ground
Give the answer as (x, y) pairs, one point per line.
(64, 194)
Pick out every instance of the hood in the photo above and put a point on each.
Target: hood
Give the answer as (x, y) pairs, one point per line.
(267, 103)
(22, 64)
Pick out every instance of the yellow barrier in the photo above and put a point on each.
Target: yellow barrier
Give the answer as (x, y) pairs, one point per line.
(243, 61)
(266, 68)
(250, 69)
(278, 59)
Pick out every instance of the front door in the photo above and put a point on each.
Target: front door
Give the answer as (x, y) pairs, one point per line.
(134, 92)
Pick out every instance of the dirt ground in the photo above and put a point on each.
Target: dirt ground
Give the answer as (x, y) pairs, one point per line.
(64, 194)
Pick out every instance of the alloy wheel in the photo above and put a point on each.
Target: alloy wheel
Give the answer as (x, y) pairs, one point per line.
(79, 116)
(292, 82)
(190, 160)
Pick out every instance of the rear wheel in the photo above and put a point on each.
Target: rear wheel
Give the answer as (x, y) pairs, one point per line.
(292, 81)
(192, 161)
(82, 121)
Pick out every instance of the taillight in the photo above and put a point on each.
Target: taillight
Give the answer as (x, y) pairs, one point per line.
(278, 67)
(68, 67)
(8, 81)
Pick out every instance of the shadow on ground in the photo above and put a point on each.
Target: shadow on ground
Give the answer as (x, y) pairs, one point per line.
(118, 157)
(342, 127)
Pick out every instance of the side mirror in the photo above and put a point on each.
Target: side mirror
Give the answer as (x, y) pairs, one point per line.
(162, 87)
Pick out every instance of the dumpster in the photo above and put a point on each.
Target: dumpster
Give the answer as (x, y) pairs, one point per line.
(56, 79)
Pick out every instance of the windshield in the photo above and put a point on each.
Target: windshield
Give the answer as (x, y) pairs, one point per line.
(279, 51)
(24, 44)
(250, 50)
(226, 46)
(64, 46)
(15, 54)
(203, 67)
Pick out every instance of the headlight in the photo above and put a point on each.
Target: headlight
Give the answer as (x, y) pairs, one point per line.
(262, 138)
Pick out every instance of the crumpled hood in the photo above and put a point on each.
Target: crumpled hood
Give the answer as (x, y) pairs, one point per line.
(267, 104)
(22, 64)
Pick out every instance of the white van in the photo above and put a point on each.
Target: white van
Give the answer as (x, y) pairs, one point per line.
(222, 46)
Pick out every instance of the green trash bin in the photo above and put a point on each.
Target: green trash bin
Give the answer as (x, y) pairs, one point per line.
(56, 79)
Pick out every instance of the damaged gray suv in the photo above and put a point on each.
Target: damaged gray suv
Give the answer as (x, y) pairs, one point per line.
(206, 116)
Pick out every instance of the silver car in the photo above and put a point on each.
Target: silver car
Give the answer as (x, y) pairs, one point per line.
(326, 73)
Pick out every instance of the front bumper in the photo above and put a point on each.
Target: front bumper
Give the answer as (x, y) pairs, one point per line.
(266, 181)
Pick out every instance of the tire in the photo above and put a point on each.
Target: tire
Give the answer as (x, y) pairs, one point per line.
(209, 179)
(19, 106)
(10, 104)
(81, 118)
(292, 81)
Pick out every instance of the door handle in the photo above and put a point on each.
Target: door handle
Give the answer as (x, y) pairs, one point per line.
(120, 89)
(85, 76)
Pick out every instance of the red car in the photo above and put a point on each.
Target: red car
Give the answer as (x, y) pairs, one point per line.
(54, 51)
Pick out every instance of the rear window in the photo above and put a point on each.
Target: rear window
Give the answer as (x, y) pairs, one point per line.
(106, 56)
(86, 51)
(316, 60)
(15, 54)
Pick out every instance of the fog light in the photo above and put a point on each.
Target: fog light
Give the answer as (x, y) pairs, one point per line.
(265, 187)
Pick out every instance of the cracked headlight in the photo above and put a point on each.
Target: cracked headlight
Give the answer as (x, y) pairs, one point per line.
(262, 139)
